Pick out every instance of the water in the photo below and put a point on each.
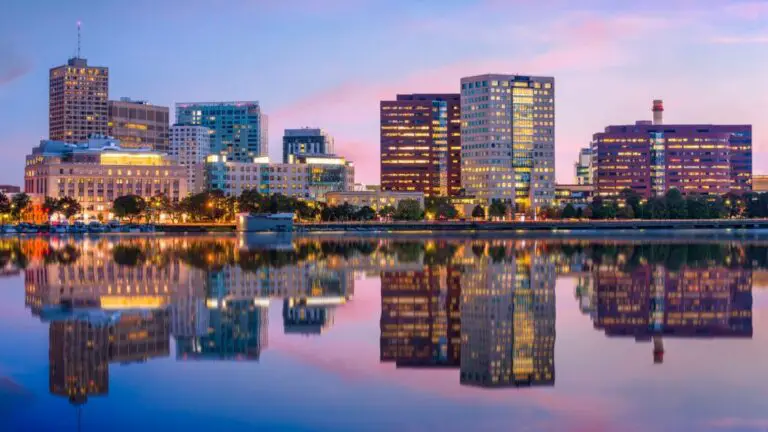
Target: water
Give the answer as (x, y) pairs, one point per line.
(384, 332)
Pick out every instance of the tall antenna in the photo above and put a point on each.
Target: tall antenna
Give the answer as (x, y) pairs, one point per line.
(78, 39)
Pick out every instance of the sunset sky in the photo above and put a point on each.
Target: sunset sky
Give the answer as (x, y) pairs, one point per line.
(327, 63)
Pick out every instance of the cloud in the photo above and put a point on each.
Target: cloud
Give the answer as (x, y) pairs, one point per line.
(574, 42)
(734, 40)
(753, 10)
(738, 423)
(14, 65)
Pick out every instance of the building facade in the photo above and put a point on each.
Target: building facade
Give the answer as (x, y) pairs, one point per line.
(308, 177)
(421, 144)
(759, 183)
(583, 167)
(651, 157)
(77, 103)
(578, 195)
(375, 199)
(238, 129)
(190, 146)
(306, 142)
(97, 172)
(508, 139)
(138, 124)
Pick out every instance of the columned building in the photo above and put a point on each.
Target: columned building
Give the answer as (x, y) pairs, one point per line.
(421, 144)
(508, 139)
(77, 104)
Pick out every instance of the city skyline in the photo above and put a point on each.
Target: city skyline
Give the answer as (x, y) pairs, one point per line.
(596, 46)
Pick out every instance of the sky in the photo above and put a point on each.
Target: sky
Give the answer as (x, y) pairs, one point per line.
(328, 63)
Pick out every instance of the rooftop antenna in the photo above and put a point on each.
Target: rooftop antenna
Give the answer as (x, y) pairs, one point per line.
(78, 39)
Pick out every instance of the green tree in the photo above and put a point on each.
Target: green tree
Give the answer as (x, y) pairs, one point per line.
(50, 206)
(478, 212)
(68, 206)
(632, 199)
(158, 204)
(697, 207)
(387, 212)
(250, 200)
(497, 209)
(657, 208)
(5, 206)
(440, 208)
(569, 211)
(625, 212)
(19, 203)
(716, 208)
(409, 209)
(365, 214)
(129, 206)
(597, 208)
(675, 202)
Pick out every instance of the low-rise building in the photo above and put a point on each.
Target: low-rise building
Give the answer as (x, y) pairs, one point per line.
(375, 199)
(307, 177)
(578, 195)
(759, 183)
(98, 171)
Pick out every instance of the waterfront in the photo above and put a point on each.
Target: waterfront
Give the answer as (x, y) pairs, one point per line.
(382, 332)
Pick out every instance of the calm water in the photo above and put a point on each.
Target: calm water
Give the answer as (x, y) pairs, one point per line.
(337, 332)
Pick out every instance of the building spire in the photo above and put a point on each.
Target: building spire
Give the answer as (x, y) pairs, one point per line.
(78, 39)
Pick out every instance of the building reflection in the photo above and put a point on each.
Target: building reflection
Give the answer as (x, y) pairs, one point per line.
(650, 302)
(485, 307)
(83, 344)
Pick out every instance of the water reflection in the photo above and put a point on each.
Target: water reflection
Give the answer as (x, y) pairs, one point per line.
(485, 308)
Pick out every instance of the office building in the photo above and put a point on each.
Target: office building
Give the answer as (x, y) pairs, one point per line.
(652, 157)
(421, 144)
(98, 171)
(138, 124)
(759, 183)
(578, 195)
(308, 177)
(306, 142)
(375, 199)
(77, 104)
(238, 129)
(583, 167)
(508, 139)
(190, 146)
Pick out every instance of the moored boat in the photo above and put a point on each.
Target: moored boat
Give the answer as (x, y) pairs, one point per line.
(277, 222)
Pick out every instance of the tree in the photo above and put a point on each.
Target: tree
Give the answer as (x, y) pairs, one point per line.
(158, 204)
(387, 212)
(675, 202)
(19, 203)
(550, 212)
(625, 212)
(440, 208)
(409, 209)
(250, 200)
(497, 209)
(478, 212)
(50, 206)
(657, 208)
(569, 212)
(597, 208)
(68, 206)
(365, 214)
(631, 199)
(697, 207)
(5, 205)
(128, 206)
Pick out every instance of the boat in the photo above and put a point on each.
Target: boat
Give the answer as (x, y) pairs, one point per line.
(8, 229)
(59, 228)
(95, 227)
(114, 225)
(27, 228)
(147, 228)
(277, 222)
(78, 227)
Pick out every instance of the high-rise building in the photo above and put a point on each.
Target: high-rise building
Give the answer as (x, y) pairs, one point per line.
(421, 144)
(583, 167)
(652, 157)
(138, 124)
(306, 142)
(238, 129)
(508, 139)
(77, 104)
(190, 145)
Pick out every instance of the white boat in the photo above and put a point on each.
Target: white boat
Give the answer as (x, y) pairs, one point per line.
(60, 228)
(95, 227)
(279, 222)
(114, 225)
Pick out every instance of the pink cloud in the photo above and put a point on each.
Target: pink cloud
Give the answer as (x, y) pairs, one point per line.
(740, 423)
(733, 40)
(748, 10)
